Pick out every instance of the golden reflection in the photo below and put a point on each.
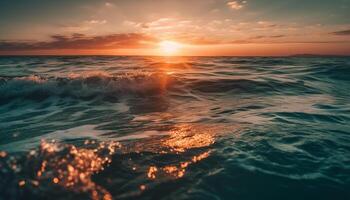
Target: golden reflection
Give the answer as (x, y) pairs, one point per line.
(72, 167)
(152, 172)
(21, 183)
(179, 171)
(200, 157)
(176, 171)
(178, 140)
(35, 183)
(181, 138)
(3, 154)
(187, 137)
(55, 180)
(142, 187)
(172, 65)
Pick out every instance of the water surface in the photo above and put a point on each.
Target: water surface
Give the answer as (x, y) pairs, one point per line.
(174, 128)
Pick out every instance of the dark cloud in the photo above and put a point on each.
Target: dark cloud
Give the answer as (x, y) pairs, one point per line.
(250, 41)
(81, 41)
(277, 36)
(345, 32)
(270, 36)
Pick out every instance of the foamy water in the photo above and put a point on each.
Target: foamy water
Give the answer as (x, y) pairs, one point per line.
(174, 128)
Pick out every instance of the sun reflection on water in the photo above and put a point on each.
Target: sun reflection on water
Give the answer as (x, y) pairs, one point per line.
(68, 166)
(188, 137)
(55, 165)
(75, 169)
(176, 171)
(181, 139)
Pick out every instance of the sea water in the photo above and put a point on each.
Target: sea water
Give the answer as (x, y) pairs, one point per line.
(112, 127)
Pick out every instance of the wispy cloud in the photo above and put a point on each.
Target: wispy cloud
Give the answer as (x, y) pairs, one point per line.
(236, 5)
(95, 21)
(266, 24)
(345, 32)
(268, 36)
(108, 4)
(81, 41)
(83, 26)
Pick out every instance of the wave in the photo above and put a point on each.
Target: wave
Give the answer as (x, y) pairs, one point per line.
(335, 71)
(87, 86)
(257, 61)
(253, 86)
(82, 86)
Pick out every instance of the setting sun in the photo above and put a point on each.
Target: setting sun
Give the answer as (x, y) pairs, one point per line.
(169, 47)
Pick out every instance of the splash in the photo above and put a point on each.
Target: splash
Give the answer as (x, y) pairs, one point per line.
(85, 85)
(90, 74)
(33, 79)
(65, 166)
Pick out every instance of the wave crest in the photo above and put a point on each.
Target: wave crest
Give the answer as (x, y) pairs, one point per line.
(83, 86)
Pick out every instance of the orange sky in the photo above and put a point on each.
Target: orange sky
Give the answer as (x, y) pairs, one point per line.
(197, 27)
(208, 50)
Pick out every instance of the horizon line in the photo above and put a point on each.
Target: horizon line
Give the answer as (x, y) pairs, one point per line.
(121, 55)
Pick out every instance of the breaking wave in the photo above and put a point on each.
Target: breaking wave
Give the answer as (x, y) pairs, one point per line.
(82, 86)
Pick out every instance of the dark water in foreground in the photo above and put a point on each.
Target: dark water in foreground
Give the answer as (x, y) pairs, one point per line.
(174, 128)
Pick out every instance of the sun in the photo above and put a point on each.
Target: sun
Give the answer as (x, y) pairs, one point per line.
(168, 47)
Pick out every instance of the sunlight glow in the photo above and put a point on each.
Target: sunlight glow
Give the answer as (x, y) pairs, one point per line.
(169, 47)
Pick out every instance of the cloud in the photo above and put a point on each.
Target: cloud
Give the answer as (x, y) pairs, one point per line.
(95, 21)
(266, 24)
(82, 26)
(81, 41)
(75, 28)
(277, 36)
(167, 28)
(236, 5)
(166, 23)
(270, 36)
(108, 4)
(345, 32)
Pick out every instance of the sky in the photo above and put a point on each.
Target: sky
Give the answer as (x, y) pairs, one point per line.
(176, 27)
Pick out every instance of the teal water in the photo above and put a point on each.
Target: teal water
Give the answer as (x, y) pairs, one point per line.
(174, 128)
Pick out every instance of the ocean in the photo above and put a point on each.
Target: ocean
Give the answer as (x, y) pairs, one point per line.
(120, 127)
